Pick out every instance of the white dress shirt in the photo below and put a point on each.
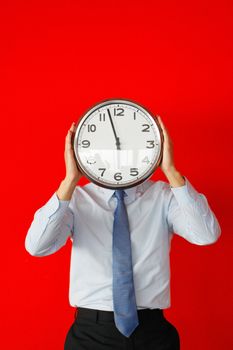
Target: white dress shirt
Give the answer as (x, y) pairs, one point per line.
(156, 211)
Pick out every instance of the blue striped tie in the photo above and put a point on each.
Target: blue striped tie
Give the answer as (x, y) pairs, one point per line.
(124, 302)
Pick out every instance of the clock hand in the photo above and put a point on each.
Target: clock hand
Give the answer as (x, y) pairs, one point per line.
(114, 131)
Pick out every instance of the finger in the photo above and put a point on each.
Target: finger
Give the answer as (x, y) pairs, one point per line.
(73, 127)
(161, 122)
(68, 139)
(70, 135)
(165, 131)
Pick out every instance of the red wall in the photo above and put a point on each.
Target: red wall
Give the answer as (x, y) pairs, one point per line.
(60, 57)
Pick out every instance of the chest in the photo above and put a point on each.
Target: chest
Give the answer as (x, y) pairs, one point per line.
(93, 226)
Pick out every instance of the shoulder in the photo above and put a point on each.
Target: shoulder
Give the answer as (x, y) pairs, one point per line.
(157, 188)
(89, 192)
(85, 190)
(158, 185)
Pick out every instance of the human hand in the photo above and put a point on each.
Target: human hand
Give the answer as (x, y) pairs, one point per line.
(167, 163)
(73, 174)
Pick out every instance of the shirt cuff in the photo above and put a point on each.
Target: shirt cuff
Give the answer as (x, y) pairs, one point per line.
(62, 203)
(186, 193)
(54, 204)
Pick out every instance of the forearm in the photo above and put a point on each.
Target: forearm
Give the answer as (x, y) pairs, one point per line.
(190, 216)
(174, 177)
(50, 228)
(66, 189)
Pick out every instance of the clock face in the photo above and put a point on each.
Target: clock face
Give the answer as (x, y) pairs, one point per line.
(118, 144)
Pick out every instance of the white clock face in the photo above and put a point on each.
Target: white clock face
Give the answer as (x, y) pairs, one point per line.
(117, 144)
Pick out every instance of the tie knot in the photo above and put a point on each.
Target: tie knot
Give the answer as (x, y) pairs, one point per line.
(120, 194)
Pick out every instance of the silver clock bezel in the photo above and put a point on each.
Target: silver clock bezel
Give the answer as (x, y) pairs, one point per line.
(110, 102)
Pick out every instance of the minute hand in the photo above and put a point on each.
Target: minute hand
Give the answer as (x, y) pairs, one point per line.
(114, 131)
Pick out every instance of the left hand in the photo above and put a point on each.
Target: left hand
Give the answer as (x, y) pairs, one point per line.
(167, 163)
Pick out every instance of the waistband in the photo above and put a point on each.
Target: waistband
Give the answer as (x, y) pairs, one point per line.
(108, 316)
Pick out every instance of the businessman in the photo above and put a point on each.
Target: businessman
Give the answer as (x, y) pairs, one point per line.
(119, 292)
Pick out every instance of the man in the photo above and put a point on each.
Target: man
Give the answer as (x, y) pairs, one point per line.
(86, 214)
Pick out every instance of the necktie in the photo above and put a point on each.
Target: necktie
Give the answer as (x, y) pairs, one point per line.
(124, 302)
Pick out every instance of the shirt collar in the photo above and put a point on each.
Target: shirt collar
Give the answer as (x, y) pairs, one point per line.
(131, 192)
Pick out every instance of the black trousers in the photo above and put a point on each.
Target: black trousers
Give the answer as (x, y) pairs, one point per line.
(96, 330)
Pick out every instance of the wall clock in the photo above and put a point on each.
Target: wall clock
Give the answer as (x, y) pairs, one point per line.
(118, 143)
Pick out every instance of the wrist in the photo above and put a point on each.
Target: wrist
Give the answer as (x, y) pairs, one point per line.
(170, 170)
(70, 181)
(66, 189)
(175, 178)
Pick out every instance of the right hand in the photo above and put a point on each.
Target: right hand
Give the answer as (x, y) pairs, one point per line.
(73, 174)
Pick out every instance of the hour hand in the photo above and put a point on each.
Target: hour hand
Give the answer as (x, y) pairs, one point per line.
(114, 131)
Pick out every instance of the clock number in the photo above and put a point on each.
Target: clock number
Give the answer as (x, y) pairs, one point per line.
(91, 128)
(102, 174)
(152, 144)
(119, 112)
(118, 177)
(85, 143)
(146, 160)
(134, 115)
(102, 117)
(134, 171)
(147, 127)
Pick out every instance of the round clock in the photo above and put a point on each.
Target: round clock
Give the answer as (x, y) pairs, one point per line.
(118, 144)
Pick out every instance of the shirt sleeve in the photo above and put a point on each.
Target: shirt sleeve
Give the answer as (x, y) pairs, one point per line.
(50, 228)
(190, 216)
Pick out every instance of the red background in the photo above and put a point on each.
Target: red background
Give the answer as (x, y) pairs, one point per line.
(60, 57)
